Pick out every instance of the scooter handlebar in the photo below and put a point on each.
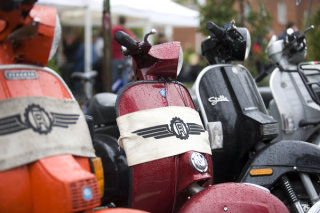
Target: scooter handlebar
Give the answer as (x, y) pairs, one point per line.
(125, 40)
(215, 29)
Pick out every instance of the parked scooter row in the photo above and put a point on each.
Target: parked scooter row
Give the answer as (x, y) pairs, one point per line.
(165, 146)
(46, 149)
(246, 129)
(165, 162)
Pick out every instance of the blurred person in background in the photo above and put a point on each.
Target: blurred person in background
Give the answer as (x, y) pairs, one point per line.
(290, 24)
(118, 60)
(71, 43)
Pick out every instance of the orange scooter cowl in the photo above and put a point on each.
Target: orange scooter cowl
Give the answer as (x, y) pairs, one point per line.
(52, 184)
(15, 188)
(60, 184)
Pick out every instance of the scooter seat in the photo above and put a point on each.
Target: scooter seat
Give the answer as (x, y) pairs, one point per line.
(102, 108)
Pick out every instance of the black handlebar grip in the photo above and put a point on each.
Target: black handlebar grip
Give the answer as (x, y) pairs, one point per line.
(125, 40)
(261, 76)
(215, 29)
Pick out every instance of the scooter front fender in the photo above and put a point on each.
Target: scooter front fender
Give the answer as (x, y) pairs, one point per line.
(234, 197)
(282, 157)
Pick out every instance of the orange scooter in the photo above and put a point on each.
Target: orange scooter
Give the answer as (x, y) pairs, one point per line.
(47, 161)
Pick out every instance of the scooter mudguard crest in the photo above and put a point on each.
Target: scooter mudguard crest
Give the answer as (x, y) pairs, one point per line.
(167, 172)
(283, 157)
(234, 197)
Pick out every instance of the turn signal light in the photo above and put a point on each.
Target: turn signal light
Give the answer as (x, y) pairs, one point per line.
(97, 169)
(259, 172)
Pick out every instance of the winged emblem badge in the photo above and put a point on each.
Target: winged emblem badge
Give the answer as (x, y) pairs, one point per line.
(36, 118)
(176, 128)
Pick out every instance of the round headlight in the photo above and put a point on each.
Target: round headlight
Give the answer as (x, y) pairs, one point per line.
(180, 62)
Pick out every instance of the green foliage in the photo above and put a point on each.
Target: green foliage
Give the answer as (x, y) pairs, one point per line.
(313, 37)
(217, 11)
(53, 65)
(259, 40)
(138, 32)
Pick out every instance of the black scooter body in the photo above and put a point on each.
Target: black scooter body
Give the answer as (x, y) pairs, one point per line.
(229, 95)
(283, 157)
(105, 132)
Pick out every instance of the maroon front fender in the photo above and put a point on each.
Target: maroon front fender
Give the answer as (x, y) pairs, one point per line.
(234, 197)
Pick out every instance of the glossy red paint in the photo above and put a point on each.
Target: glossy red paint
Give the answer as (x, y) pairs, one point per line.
(147, 95)
(234, 197)
(162, 60)
(156, 184)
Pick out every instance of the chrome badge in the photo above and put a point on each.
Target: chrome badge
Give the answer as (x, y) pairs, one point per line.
(199, 162)
(214, 100)
(20, 74)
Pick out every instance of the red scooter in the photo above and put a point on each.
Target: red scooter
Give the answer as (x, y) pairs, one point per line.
(166, 147)
(47, 161)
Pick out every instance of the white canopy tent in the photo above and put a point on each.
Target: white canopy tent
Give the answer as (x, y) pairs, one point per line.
(139, 13)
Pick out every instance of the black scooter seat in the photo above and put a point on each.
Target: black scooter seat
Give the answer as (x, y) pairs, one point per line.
(102, 108)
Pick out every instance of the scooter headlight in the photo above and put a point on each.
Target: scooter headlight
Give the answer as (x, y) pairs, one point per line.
(180, 62)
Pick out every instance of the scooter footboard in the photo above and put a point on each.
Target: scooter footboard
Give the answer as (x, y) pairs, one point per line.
(234, 197)
(280, 158)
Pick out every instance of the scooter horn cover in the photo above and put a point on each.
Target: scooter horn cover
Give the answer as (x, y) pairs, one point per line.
(36, 127)
(161, 132)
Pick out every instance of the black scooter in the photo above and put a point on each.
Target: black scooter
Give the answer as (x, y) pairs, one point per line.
(241, 133)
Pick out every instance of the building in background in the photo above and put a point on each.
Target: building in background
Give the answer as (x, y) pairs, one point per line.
(283, 11)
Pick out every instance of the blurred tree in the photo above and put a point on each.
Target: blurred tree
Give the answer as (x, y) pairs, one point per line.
(217, 11)
(313, 37)
(259, 37)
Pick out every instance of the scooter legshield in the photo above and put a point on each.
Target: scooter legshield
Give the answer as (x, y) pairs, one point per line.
(227, 93)
(154, 185)
(234, 197)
